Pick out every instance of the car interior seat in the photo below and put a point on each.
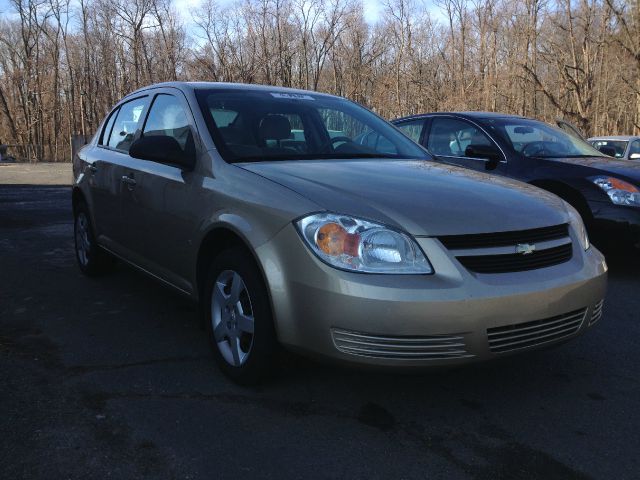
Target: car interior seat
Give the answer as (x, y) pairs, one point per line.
(274, 128)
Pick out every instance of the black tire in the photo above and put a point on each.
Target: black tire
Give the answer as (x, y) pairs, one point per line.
(253, 301)
(92, 259)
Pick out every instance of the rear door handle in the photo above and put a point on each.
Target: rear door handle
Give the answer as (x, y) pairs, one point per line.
(131, 182)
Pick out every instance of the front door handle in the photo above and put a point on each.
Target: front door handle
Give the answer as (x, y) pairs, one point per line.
(93, 168)
(130, 181)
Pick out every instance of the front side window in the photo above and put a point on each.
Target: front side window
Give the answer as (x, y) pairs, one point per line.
(251, 125)
(167, 117)
(127, 123)
(451, 137)
(536, 139)
(412, 129)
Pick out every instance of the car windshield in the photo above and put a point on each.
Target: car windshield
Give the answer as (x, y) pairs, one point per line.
(263, 125)
(532, 138)
(619, 145)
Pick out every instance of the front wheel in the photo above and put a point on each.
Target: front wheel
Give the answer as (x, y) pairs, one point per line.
(238, 317)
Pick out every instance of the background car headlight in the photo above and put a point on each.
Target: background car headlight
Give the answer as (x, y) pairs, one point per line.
(619, 191)
(362, 246)
(578, 226)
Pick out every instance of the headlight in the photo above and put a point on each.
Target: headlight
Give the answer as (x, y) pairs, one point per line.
(358, 245)
(619, 191)
(578, 226)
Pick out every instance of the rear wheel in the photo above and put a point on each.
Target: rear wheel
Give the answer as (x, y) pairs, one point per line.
(92, 259)
(238, 317)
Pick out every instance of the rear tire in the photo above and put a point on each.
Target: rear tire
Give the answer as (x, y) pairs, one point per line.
(237, 315)
(92, 259)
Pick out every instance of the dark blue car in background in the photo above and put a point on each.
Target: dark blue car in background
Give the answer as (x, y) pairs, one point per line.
(605, 191)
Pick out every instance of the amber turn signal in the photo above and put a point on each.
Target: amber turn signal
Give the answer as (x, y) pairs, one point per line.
(334, 240)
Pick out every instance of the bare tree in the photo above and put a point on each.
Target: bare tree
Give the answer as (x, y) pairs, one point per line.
(64, 63)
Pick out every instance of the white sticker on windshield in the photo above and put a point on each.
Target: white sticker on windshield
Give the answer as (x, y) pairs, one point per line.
(293, 96)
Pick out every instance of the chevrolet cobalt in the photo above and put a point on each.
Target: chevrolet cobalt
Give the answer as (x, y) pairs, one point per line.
(259, 203)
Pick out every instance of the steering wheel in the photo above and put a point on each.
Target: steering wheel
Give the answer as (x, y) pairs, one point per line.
(534, 148)
(340, 139)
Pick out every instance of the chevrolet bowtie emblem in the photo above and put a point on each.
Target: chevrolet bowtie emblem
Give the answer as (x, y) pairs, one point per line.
(525, 248)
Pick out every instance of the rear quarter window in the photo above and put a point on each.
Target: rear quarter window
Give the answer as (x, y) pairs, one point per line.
(106, 131)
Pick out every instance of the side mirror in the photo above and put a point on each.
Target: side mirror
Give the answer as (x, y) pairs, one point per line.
(486, 152)
(162, 149)
(608, 150)
(634, 156)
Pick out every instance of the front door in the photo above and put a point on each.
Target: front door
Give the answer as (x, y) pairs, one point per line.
(457, 141)
(158, 208)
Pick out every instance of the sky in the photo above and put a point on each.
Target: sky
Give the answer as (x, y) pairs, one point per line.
(372, 9)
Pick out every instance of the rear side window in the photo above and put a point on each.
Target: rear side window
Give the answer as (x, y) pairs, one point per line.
(127, 123)
(412, 129)
(168, 117)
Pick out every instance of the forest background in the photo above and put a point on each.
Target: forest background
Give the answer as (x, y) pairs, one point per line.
(64, 63)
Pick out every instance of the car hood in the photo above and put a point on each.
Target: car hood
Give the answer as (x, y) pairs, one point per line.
(628, 169)
(420, 197)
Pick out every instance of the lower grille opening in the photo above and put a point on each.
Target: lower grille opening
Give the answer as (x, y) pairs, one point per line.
(434, 347)
(538, 332)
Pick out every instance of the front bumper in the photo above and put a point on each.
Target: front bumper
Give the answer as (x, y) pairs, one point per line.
(608, 216)
(446, 318)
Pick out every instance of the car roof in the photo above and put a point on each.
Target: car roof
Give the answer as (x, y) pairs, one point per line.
(469, 115)
(184, 86)
(615, 137)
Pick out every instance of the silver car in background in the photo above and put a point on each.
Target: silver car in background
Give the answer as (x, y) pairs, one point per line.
(257, 202)
(622, 147)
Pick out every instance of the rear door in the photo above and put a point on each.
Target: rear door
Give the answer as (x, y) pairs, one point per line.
(104, 197)
(454, 140)
(109, 159)
(158, 209)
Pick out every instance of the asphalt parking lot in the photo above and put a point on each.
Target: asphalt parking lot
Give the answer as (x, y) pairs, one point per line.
(112, 378)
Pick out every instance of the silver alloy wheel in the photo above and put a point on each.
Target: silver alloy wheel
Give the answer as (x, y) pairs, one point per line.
(83, 244)
(232, 317)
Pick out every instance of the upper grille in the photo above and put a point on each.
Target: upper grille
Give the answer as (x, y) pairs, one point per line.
(517, 262)
(537, 332)
(597, 312)
(501, 239)
(433, 347)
